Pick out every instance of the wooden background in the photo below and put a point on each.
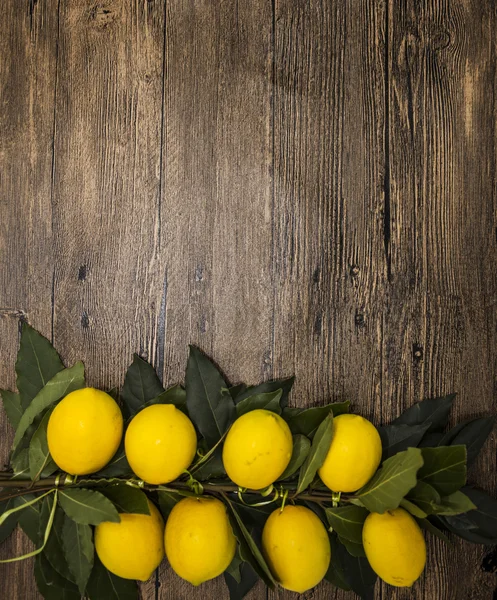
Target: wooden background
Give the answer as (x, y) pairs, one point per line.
(296, 186)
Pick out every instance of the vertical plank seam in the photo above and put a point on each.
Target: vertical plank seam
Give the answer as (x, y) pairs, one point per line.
(386, 143)
(273, 186)
(52, 176)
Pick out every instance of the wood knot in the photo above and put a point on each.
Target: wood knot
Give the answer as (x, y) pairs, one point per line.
(82, 273)
(102, 15)
(438, 39)
(417, 353)
(85, 320)
(359, 319)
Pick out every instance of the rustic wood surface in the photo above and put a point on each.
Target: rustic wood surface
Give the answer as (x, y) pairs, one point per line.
(296, 187)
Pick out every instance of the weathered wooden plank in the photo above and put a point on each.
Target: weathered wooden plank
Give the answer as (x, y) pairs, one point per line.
(216, 235)
(329, 247)
(27, 83)
(437, 333)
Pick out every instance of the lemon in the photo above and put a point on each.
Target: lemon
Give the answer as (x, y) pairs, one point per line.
(354, 454)
(199, 540)
(394, 546)
(84, 431)
(257, 449)
(133, 548)
(297, 547)
(160, 443)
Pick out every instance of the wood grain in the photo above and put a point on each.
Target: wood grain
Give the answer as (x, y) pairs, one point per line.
(302, 187)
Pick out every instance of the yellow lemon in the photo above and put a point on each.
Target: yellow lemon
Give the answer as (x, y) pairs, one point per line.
(297, 547)
(354, 454)
(257, 449)
(84, 431)
(160, 443)
(133, 548)
(199, 540)
(394, 546)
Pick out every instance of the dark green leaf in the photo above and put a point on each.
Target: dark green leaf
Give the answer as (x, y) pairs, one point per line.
(8, 526)
(444, 468)
(20, 464)
(54, 550)
(40, 461)
(60, 385)
(248, 578)
(12, 406)
(425, 496)
(308, 420)
(392, 482)
(301, 448)
(478, 526)
(114, 393)
(431, 440)
(29, 518)
(455, 504)
(209, 403)
(104, 585)
(335, 574)
(236, 390)
(317, 454)
(471, 434)
(354, 549)
(347, 521)
(249, 549)
(174, 395)
(434, 411)
(413, 509)
(51, 585)
(357, 572)
(234, 567)
(87, 507)
(269, 401)
(167, 501)
(78, 549)
(141, 385)
(396, 438)
(118, 466)
(212, 468)
(127, 499)
(428, 526)
(37, 363)
(268, 387)
(254, 516)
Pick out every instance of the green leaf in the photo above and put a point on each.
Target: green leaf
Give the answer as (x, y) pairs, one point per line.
(413, 509)
(471, 434)
(78, 549)
(254, 516)
(167, 501)
(209, 403)
(40, 461)
(54, 550)
(234, 567)
(60, 385)
(444, 468)
(104, 585)
(127, 499)
(353, 548)
(249, 549)
(455, 504)
(428, 526)
(118, 466)
(396, 438)
(51, 585)
(357, 572)
(269, 401)
(347, 521)
(174, 395)
(141, 385)
(434, 411)
(37, 363)
(478, 526)
(87, 506)
(248, 578)
(425, 496)
(8, 526)
(29, 518)
(236, 390)
(308, 420)
(267, 387)
(335, 574)
(301, 448)
(317, 454)
(114, 393)
(20, 464)
(12, 406)
(392, 482)
(212, 468)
